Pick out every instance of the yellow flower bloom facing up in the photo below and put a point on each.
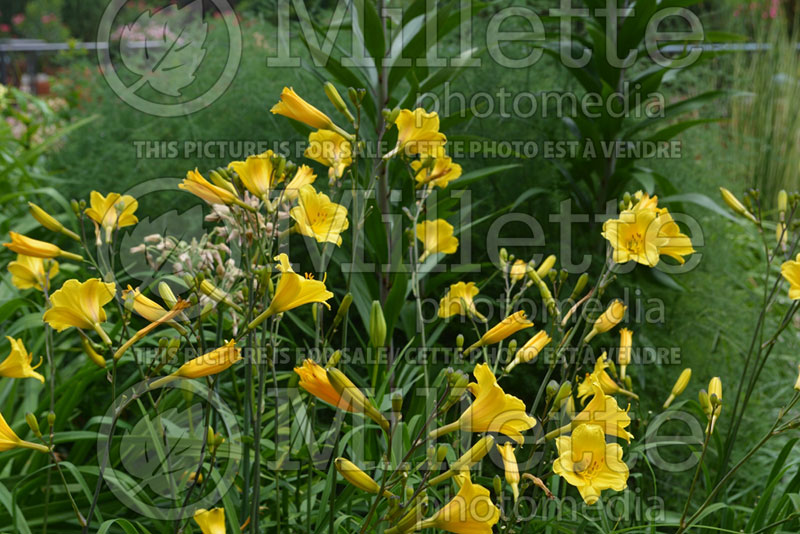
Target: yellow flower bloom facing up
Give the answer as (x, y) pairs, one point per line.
(600, 376)
(292, 291)
(112, 211)
(436, 236)
(257, 173)
(471, 511)
(80, 304)
(510, 467)
(314, 380)
(438, 170)
(679, 386)
(211, 521)
(28, 272)
(37, 249)
(529, 350)
(195, 184)
(294, 107)
(518, 270)
(332, 150)
(18, 363)
(590, 464)
(507, 327)
(459, 300)
(317, 217)
(303, 177)
(417, 133)
(791, 273)
(493, 410)
(9, 439)
(610, 318)
(644, 233)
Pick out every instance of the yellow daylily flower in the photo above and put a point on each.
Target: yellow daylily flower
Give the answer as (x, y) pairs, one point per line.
(358, 478)
(493, 410)
(417, 133)
(625, 350)
(316, 216)
(112, 211)
(436, 236)
(590, 464)
(644, 232)
(599, 376)
(80, 304)
(459, 301)
(292, 291)
(471, 511)
(332, 150)
(303, 177)
(9, 440)
(314, 380)
(29, 272)
(518, 270)
(602, 410)
(507, 327)
(529, 350)
(679, 386)
(294, 107)
(200, 187)
(38, 249)
(18, 363)
(791, 272)
(610, 318)
(439, 172)
(257, 173)
(210, 363)
(510, 467)
(211, 521)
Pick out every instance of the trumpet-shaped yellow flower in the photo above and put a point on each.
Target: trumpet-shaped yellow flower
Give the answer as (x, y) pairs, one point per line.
(314, 380)
(604, 411)
(29, 272)
(9, 439)
(80, 304)
(303, 177)
(493, 410)
(507, 327)
(518, 270)
(358, 478)
(600, 376)
(316, 216)
(644, 232)
(529, 350)
(510, 467)
(211, 521)
(590, 464)
(200, 187)
(210, 363)
(459, 300)
(436, 236)
(292, 291)
(438, 170)
(471, 511)
(258, 174)
(112, 211)
(18, 363)
(296, 108)
(418, 133)
(679, 386)
(610, 318)
(37, 249)
(791, 272)
(332, 150)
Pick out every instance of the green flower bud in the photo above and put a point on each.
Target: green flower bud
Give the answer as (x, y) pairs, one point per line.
(167, 295)
(579, 286)
(377, 325)
(33, 424)
(397, 402)
(497, 482)
(337, 101)
(347, 300)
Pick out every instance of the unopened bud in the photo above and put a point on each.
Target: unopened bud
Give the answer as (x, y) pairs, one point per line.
(497, 482)
(337, 101)
(377, 325)
(580, 285)
(397, 402)
(546, 265)
(167, 295)
(358, 478)
(347, 300)
(92, 354)
(460, 342)
(33, 423)
(735, 205)
(783, 200)
(334, 359)
(551, 390)
(51, 419)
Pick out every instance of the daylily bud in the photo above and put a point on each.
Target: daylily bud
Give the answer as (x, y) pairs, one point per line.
(393, 116)
(797, 383)
(705, 404)
(51, 419)
(551, 390)
(460, 341)
(76, 208)
(33, 424)
(458, 381)
(441, 453)
(580, 285)
(608, 320)
(783, 200)
(497, 483)
(221, 181)
(474, 455)
(377, 325)
(167, 295)
(353, 396)
(216, 294)
(347, 300)
(546, 265)
(96, 358)
(564, 393)
(626, 199)
(334, 359)
(397, 402)
(734, 204)
(503, 257)
(680, 385)
(50, 222)
(337, 101)
(628, 383)
(358, 478)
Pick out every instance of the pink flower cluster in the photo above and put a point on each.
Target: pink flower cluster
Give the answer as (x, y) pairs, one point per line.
(768, 8)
